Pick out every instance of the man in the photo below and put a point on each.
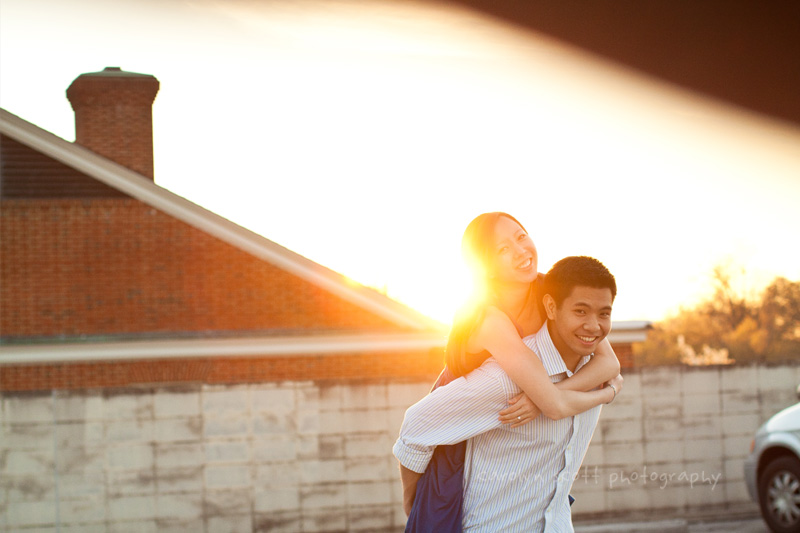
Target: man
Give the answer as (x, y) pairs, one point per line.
(518, 479)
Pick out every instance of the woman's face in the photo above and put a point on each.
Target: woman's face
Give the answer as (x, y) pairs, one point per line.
(515, 257)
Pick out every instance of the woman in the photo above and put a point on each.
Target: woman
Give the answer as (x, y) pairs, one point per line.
(507, 308)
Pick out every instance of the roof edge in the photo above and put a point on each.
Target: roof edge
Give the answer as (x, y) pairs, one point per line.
(145, 190)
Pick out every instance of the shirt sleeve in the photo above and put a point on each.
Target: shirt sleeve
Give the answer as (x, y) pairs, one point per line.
(464, 408)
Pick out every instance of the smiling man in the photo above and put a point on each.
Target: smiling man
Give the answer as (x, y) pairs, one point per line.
(519, 478)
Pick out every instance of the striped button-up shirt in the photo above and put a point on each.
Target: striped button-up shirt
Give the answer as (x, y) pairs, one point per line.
(515, 479)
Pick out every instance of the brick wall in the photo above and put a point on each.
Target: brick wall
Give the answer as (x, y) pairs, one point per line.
(104, 267)
(316, 456)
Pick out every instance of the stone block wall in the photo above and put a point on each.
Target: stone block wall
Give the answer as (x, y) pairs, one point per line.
(316, 456)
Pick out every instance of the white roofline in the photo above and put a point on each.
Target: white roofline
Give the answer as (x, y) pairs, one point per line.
(622, 332)
(145, 190)
(203, 348)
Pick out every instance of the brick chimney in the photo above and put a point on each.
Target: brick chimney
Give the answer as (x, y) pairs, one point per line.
(114, 116)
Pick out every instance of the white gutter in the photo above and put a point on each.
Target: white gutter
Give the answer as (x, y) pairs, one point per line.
(206, 348)
(142, 188)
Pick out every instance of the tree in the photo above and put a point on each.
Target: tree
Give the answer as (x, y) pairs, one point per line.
(731, 325)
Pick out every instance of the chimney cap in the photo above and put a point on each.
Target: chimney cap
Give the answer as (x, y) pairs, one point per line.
(115, 72)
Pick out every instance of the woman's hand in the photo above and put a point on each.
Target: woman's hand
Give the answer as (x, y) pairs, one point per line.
(617, 383)
(520, 411)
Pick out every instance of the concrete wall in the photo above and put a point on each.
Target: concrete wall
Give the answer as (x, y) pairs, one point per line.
(306, 456)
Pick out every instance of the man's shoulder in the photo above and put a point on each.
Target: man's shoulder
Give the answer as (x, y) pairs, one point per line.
(491, 370)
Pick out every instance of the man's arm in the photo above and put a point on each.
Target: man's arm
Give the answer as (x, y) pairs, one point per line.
(453, 413)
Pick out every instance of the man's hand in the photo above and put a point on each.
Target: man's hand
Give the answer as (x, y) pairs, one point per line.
(520, 411)
(409, 479)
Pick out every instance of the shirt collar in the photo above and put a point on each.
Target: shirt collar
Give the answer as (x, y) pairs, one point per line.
(550, 356)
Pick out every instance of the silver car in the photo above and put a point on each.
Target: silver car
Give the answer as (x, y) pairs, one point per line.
(772, 470)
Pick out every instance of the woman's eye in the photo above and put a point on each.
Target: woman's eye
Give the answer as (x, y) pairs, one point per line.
(502, 250)
(522, 236)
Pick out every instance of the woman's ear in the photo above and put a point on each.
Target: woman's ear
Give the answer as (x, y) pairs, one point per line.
(549, 306)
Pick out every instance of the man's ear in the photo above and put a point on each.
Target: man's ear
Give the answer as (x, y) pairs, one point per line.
(549, 306)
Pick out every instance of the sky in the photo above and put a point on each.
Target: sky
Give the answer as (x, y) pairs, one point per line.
(366, 135)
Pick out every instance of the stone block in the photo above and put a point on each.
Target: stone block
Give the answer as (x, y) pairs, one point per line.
(148, 525)
(623, 408)
(735, 492)
(737, 402)
(663, 428)
(668, 497)
(36, 436)
(632, 386)
(225, 401)
(79, 434)
(369, 493)
(738, 424)
(278, 522)
(322, 471)
(404, 395)
(701, 380)
(27, 514)
(275, 448)
(395, 417)
(128, 405)
(91, 511)
(367, 445)
(323, 496)
(78, 407)
(177, 525)
(595, 454)
(266, 423)
(131, 508)
(27, 409)
(330, 397)
(129, 431)
(702, 426)
(364, 396)
(180, 479)
(308, 422)
(619, 430)
(228, 476)
(369, 518)
(661, 381)
(83, 486)
(275, 499)
(589, 502)
(128, 483)
(701, 404)
(183, 506)
(776, 378)
(663, 451)
(736, 447)
(176, 404)
(588, 479)
(230, 427)
(228, 501)
(741, 379)
(332, 422)
(372, 421)
(323, 520)
(29, 462)
(130, 457)
(368, 469)
(624, 453)
(276, 400)
(664, 407)
(631, 498)
(226, 451)
(733, 470)
(276, 474)
(172, 455)
(22, 488)
(187, 429)
(230, 524)
(705, 474)
(701, 449)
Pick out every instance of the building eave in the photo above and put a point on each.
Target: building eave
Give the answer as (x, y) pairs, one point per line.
(146, 191)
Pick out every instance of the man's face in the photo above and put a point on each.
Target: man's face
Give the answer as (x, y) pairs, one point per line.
(581, 321)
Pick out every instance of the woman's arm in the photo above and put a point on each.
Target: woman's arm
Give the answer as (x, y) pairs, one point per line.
(603, 367)
(499, 337)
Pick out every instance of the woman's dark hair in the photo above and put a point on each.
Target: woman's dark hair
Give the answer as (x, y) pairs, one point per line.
(478, 247)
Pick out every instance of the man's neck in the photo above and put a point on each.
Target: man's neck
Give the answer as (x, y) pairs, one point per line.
(570, 358)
